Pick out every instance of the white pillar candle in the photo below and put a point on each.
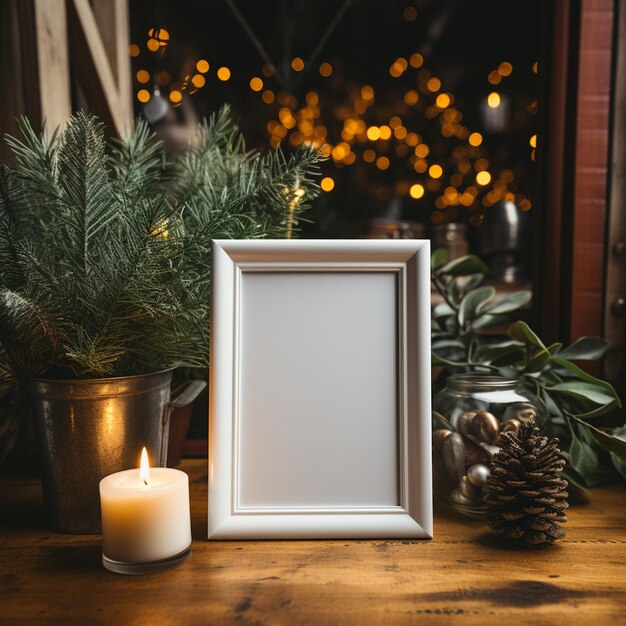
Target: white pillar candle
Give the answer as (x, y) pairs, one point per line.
(145, 514)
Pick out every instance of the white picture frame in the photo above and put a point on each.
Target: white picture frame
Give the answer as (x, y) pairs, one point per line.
(320, 390)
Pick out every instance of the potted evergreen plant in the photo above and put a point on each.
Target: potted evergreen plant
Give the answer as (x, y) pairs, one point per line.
(104, 283)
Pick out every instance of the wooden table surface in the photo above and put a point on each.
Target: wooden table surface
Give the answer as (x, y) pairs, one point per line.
(462, 576)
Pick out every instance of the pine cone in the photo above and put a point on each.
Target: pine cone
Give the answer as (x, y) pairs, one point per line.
(525, 494)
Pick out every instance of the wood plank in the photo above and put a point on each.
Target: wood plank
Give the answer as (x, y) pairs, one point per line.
(96, 74)
(53, 61)
(462, 576)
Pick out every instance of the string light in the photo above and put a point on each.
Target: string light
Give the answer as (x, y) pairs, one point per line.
(327, 183)
(505, 68)
(493, 100)
(433, 84)
(416, 191)
(133, 50)
(416, 60)
(198, 81)
(297, 64)
(143, 76)
(143, 95)
(382, 163)
(256, 84)
(443, 100)
(202, 66)
(153, 45)
(435, 171)
(475, 139)
(326, 69)
(223, 73)
(483, 178)
(411, 97)
(533, 141)
(494, 77)
(268, 96)
(176, 96)
(373, 133)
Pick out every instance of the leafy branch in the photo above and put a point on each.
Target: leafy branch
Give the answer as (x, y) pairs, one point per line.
(571, 396)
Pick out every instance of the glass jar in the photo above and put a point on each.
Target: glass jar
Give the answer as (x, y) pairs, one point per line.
(468, 416)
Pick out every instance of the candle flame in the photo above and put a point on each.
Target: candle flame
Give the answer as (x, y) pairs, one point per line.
(144, 467)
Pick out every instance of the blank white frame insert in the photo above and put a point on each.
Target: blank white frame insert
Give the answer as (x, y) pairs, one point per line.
(319, 420)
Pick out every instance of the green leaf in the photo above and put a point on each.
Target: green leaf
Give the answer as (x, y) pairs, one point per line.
(463, 266)
(473, 302)
(520, 331)
(587, 394)
(619, 465)
(574, 478)
(580, 373)
(438, 258)
(442, 310)
(510, 302)
(541, 358)
(505, 353)
(583, 458)
(585, 348)
(606, 441)
(489, 321)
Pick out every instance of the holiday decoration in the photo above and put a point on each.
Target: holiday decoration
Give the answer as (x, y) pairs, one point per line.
(525, 495)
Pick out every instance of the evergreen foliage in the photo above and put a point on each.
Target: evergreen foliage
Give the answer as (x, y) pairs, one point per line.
(105, 250)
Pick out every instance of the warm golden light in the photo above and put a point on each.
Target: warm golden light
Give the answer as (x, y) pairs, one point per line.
(327, 183)
(143, 76)
(153, 45)
(434, 84)
(133, 50)
(494, 77)
(416, 59)
(143, 95)
(416, 191)
(535, 67)
(533, 141)
(144, 467)
(385, 132)
(382, 163)
(176, 96)
(326, 69)
(202, 66)
(443, 100)
(369, 155)
(256, 84)
(268, 96)
(493, 100)
(297, 64)
(422, 150)
(505, 68)
(367, 92)
(475, 139)
(483, 178)
(223, 73)
(435, 171)
(198, 81)
(373, 133)
(411, 97)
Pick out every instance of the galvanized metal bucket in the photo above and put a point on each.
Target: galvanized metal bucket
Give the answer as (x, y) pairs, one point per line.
(87, 429)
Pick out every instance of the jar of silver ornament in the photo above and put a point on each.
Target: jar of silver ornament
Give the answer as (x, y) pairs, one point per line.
(468, 416)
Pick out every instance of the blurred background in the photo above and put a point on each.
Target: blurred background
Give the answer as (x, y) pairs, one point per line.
(426, 110)
(490, 127)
